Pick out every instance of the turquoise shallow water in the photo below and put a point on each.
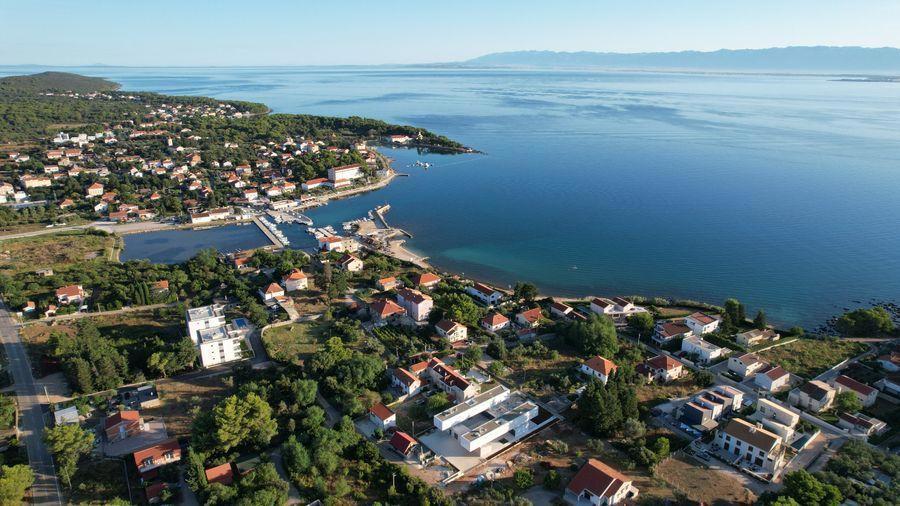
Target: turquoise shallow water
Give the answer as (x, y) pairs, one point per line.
(782, 191)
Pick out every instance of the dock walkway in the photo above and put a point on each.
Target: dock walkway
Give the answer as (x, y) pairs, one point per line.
(276, 241)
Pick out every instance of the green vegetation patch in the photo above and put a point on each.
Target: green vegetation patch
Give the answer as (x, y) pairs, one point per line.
(56, 81)
(53, 251)
(294, 342)
(811, 357)
(99, 482)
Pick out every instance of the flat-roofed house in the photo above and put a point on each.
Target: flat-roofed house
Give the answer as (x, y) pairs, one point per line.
(865, 393)
(812, 396)
(701, 323)
(345, 172)
(598, 484)
(451, 330)
(599, 367)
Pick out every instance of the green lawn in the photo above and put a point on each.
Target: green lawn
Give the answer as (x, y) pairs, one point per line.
(810, 357)
(293, 342)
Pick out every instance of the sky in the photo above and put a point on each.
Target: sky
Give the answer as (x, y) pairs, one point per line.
(353, 32)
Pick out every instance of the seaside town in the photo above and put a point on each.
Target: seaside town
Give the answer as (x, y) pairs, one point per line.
(353, 371)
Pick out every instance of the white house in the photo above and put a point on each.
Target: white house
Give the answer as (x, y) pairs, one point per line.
(701, 323)
(745, 365)
(756, 336)
(350, 263)
(773, 379)
(560, 310)
(529, 318)
(663, 368)
(485, 293)
(751, 445)
(451, 330)
(407, 382)
(494, 322)
(271, 292)
(417, 304)
(598, 367)
(295, 280)
(705, 351)
(813, 396)
(382, 416)
(345, 173)
(865, 393)
(598, 484)
(217, 341)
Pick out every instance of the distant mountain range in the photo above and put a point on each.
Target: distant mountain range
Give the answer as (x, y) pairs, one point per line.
(778, 59)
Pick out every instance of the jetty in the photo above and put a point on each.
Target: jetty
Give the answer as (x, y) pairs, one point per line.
(272, 237)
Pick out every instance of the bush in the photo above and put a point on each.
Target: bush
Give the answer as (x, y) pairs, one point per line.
(523, 478)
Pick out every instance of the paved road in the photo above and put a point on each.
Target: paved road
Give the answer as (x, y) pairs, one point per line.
(46, 486)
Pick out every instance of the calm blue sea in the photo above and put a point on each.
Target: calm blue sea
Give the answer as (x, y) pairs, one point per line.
(781, 191)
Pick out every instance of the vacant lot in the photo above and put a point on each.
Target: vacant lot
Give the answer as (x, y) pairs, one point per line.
(810, 357)
(134, 333)
(181, 399)
(294, 342)
(703, 485)
(657, 393)
(52, 251)
(98, 482)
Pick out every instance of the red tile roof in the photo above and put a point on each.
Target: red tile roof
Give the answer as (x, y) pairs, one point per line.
(274, 288)
(223, 474)
(426, 279)
(602, 365)
(122, 416)
(295, 275)
(447, 325)
(494, 319)
(854, 385)
(531, 315)
(381, 411)
(385, 308)
(414, 296)
(663, 362)
(69, 291)
(403, 442)
(703, 318)
(405, 377)
(157, 451)
(599, 478)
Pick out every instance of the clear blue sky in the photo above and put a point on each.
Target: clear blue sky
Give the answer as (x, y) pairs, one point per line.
(269, 32)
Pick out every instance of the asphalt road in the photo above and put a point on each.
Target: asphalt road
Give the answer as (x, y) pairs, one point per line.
(31, 420)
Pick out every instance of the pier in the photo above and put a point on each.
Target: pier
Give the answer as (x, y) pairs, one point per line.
(276, 241)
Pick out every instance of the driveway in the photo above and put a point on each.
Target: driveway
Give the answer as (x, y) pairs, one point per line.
(46, 487)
